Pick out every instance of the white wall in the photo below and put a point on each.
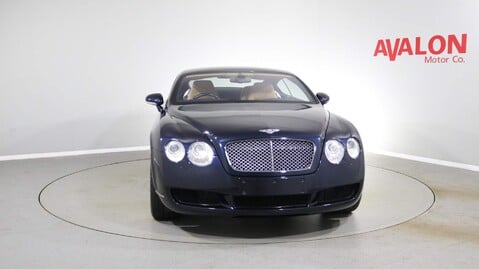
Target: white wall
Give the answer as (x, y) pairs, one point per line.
(74, 74)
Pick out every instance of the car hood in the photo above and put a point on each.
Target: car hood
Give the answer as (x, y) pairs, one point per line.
(239, 121)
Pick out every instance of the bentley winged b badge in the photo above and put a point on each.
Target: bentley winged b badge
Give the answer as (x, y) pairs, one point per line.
(269, 131)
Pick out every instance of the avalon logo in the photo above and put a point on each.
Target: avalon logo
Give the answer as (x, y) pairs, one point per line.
(436, 49)
(269, 131)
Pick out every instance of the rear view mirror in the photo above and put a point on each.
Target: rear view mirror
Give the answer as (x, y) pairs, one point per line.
(240, 79)
(323, 98)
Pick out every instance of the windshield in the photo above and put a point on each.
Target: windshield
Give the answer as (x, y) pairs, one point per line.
(241, 87)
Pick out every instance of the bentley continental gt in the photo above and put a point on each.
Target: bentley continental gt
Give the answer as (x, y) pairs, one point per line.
(251, 142)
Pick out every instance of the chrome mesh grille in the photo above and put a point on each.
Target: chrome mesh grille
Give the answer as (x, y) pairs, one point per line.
(270, 155)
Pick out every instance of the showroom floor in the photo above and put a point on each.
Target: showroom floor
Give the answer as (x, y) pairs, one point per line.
(42, 231)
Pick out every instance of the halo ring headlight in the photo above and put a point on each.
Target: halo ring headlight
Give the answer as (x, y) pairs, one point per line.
(200, 154)
(334, 151)
(175, 151)
(353, 148)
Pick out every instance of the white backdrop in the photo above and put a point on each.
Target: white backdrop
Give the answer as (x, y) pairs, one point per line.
(74, 74)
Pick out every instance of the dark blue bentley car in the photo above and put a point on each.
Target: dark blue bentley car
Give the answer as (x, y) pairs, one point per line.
(247, 141)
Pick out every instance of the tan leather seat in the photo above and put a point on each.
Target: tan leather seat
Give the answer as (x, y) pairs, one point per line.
(258, 92)
(202, 87)
(246, 92)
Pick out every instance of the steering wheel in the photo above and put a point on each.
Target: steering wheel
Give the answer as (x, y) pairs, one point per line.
(216, 97)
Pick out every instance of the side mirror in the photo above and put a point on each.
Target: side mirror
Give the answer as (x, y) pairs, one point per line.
(323, 98)
(155, 99)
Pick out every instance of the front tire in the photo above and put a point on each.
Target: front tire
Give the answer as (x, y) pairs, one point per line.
(158, 210)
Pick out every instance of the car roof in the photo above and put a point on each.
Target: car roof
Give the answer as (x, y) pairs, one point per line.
(233, 70)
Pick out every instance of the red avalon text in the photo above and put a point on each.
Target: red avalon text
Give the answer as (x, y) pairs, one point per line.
(437, 49)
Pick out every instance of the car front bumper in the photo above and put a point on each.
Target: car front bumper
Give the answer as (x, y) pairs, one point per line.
(191, 190)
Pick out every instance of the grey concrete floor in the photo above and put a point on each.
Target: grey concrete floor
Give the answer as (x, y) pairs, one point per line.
(447, 236)
(115, 199)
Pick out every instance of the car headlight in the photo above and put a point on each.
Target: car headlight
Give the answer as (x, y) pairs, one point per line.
(175, 151)
(334, 151)
(352, 146)
(200, 154)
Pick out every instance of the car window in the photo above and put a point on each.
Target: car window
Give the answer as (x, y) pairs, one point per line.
(241, 87)
(291, 89)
